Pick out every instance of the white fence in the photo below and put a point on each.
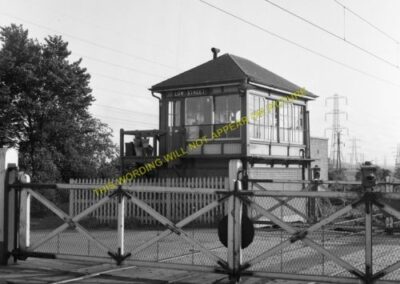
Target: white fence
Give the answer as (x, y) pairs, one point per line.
(173, 205)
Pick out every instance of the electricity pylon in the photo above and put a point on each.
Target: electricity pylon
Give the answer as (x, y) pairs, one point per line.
(336, 155)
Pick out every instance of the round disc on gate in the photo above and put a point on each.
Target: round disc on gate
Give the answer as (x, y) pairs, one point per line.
(247, 231)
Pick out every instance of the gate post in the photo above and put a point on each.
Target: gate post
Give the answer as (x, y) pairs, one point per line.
(311, 208)
(25, 214)
(121, 225)
(234, 221)
(368, 180)
(121, 196)
(8, 164)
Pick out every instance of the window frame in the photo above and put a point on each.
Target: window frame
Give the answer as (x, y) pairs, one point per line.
(269, 134)
(213, 123)
(293, 111)
(174, 113)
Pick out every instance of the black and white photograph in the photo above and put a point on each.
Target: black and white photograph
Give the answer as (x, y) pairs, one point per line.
(200, 141)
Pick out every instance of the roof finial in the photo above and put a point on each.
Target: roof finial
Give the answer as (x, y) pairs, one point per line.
(215, 52)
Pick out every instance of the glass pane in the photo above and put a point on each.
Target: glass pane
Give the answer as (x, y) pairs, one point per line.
(298, 127)
(170, 113)
(205, 130)
(251, 130)
(198, 110)
(219, 126)
(262, 132)
(192, 132)
(198, 116)
(251, 103)
(227, 109)
(196, 131)
(234, 133)
(285, 120)
(177, 113)
(270, 120)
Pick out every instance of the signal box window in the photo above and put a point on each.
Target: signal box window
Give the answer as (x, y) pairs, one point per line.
(262, 127)
(174, 113)
(198, 117)
(227, 110)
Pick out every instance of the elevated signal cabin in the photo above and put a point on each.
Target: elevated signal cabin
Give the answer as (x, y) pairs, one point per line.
(197, 102)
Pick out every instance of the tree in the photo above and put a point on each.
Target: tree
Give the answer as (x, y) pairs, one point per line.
(44, 109)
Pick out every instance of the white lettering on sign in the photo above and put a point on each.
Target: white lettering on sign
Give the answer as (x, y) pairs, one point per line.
(184, 93)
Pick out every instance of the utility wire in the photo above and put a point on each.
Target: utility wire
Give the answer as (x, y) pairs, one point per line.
(131, 111)
(109, 63)
(126, 120)
(333, 34)
(299, 45)
(118, 65)
(90, 42)
(118, 79)
(131, 96)
(103, 27)
(368, 22)
(96, 59)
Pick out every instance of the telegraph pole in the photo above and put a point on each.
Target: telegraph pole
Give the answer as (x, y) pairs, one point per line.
(336, 129)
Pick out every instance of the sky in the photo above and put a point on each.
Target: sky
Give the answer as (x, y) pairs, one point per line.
(128, 46)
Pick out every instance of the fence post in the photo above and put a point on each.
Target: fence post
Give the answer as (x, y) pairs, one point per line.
(8, 164)
(25, 215)
(121, 196)
(234, 221)
(311, 208)
(121, 225)
(71, 199)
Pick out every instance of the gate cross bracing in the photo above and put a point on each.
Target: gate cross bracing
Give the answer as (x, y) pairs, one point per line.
(312, 250)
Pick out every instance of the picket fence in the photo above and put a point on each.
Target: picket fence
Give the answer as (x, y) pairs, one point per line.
(173, 205)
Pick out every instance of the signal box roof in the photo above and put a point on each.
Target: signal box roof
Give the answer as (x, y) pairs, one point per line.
(227, 68)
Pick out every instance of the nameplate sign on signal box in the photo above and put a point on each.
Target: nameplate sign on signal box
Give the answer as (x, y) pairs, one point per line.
(188, 93)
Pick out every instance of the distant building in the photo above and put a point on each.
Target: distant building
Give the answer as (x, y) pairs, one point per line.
(319, 153)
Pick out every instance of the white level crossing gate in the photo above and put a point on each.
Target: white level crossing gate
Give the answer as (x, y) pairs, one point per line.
(337, 237)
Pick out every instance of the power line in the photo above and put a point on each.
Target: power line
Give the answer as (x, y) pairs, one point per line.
(90, 42)
(132, 96)
(103, 75)
(118, 79)
(126, 110)
(118, 65)
(99, 60)
(368, 22)
(132, 121)
(103, 27)
(300, 46)
(333, 34)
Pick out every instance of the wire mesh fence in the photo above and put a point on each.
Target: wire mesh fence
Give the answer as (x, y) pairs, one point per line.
(146, 238)
(305, 229)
